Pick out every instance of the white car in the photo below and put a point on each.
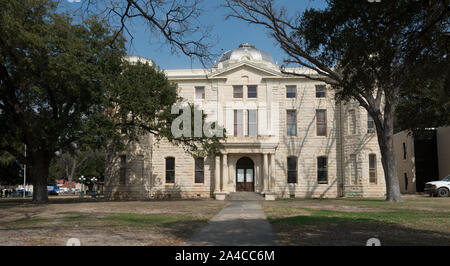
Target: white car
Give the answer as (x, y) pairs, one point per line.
(438, 188)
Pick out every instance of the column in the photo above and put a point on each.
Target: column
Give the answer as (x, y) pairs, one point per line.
(266, 172)
(225, 177)
(217, 175)
(272, 172)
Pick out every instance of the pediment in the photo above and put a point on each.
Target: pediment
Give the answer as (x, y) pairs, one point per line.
(246, 67)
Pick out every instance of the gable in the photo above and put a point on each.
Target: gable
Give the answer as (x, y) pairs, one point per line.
(245, 69)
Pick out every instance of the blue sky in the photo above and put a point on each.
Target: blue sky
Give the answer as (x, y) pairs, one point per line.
(230, 33)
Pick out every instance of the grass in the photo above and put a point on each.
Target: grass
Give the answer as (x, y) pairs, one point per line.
(400, 217)
(422, 221)
(142, 219)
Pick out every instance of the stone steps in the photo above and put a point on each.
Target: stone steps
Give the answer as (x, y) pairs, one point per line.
(244, 196)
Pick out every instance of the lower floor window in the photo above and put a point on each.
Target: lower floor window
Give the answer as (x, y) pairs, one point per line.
(372, 168)
(292, 169)
(322, 170)
(199, 170)
(170, 170)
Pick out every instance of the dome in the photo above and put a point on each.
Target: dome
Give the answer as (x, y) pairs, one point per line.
(246, 52)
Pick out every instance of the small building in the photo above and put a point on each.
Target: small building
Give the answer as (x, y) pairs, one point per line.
(422, 158)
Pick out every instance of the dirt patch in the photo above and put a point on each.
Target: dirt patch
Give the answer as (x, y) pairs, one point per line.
(104, 222)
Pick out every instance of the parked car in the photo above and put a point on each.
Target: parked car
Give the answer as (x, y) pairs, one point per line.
(19, 193)
(52, 189)
(438, 188)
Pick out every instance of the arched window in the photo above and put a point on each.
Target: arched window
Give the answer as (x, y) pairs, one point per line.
(170, 170)
(199, 170)
(292, 169)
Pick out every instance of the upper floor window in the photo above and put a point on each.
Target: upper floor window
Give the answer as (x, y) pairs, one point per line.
(322, 170)
(238, 92)
(170, 170)
(238, 123)
(321, 122)
(321, 91)
(252, 92)
(291, 122)
(370, 124)
(372, 168)
(291, 91)
(252, 123)
(199, 92)
(199, 170)
(292, 169)
(123, 170)
(352, 122)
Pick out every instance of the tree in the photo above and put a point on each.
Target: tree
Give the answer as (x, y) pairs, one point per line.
(427, 97)
(61, 86)
(365, 51)
(51, 75)
(79, 162)
(174, 22)
(11, 172)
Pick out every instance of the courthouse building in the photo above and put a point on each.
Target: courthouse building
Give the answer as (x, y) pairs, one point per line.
(286, 137)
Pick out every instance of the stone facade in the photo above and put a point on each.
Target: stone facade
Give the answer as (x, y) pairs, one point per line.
(346, 145)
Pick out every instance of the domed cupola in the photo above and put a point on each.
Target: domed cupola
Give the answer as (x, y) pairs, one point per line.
(245, 52)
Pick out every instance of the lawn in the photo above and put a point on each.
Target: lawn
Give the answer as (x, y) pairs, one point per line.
(418, 220)
(100, 222)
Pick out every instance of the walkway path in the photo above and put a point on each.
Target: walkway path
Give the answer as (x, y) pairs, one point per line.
(241, 223)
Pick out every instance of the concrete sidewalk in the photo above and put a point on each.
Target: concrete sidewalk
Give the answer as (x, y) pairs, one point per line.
(242, 223)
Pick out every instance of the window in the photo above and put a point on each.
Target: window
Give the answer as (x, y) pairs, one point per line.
(321, 122)
(238, 92)
(199, 170)
(351, 122)
(238, 123)
(321, 91)
(322, 170)
(199, 92)
(404, 151)
(406, 181)
(170, 170)
(252, 92)
(123, 170)
(292, 169)
(370, 124)
(353, 169)
(252, 123)
(291, 91)
(372, 168)
(291, 122)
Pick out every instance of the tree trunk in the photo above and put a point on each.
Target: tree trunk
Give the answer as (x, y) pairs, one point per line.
(39, 169)
(386, 143)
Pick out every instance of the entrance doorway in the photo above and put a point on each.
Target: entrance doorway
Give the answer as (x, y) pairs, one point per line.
(245, 175)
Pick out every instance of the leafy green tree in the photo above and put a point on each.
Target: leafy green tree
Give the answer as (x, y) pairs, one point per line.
(368, 51)
(427, 96)
(11, 172)
(61, 87)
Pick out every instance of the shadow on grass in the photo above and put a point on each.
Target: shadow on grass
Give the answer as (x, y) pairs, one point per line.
(321, 228)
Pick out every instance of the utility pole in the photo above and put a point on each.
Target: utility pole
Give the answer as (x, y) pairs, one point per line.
(25, 171)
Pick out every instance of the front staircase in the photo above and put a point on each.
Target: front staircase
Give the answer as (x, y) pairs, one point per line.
(244, 196)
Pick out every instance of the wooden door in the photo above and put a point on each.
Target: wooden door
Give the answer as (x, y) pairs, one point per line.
(245, 175)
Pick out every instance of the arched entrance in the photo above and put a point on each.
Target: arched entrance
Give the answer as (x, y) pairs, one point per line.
(245, 175)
